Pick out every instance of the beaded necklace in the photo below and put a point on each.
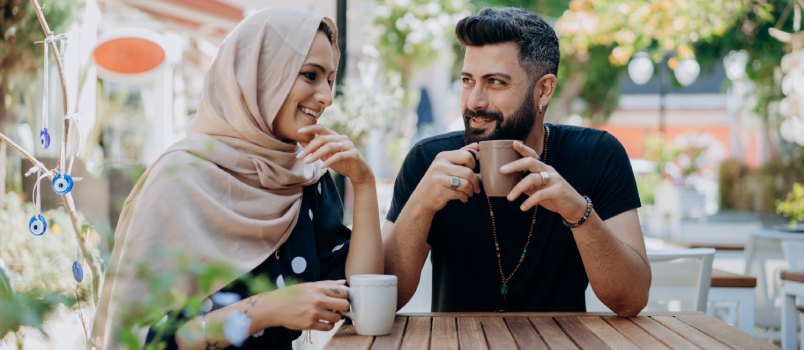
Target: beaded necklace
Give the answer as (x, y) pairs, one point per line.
(503, 279)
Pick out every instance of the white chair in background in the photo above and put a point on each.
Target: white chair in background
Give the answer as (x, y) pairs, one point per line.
(792, 294)
(681, 279)
(765, 260)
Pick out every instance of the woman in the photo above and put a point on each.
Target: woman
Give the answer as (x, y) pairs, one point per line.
(249, 186)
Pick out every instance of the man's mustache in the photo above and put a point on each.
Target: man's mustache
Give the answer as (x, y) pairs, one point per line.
(468, 113)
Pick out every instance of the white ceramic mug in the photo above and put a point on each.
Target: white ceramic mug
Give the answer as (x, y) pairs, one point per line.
(373, 301)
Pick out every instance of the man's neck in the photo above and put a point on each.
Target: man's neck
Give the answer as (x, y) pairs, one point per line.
(535, 139)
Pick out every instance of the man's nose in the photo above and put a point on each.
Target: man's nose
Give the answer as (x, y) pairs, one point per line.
(477, 99)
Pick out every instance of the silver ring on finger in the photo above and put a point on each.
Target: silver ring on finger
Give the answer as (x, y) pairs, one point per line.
(454, 182)
(545, 177)
(340, 146)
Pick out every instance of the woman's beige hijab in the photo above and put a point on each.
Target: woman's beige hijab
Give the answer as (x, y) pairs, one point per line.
(230, 191)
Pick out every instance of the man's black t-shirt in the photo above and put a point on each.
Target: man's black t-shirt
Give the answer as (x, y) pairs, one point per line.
(466, 276)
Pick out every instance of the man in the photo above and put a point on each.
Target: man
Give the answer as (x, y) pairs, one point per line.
(537, 249)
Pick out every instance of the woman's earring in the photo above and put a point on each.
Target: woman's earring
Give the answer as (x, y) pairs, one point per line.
(541, 108)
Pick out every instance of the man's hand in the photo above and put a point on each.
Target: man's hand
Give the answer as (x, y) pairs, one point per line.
(544, 186)
(435, 189)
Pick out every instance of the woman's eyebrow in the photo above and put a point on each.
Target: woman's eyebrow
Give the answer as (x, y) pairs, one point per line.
(318, 66)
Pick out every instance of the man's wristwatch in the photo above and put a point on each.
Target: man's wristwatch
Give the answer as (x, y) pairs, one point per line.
(586, 214)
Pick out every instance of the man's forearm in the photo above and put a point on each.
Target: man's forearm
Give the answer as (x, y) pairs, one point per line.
(618, 273)
(406, 248)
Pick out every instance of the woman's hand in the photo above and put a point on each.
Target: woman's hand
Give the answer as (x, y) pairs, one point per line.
(312, 305)
(337, 152)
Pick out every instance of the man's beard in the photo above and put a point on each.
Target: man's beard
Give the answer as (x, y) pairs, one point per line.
(515, 127)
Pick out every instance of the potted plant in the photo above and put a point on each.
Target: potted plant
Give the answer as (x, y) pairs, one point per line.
(793, 207)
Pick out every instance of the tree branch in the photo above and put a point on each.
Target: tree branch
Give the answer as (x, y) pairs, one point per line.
(66, 200)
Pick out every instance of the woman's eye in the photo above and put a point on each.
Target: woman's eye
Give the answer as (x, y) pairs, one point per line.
(309, 75)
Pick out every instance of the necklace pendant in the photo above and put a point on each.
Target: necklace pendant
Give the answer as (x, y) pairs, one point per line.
(504, 289)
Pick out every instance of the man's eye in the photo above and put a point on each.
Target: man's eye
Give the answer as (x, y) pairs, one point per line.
(495, 82)
(466, 81)
(309, 75)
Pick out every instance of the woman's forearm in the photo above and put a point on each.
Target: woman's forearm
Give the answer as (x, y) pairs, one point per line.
(197, 333)
(365, 247)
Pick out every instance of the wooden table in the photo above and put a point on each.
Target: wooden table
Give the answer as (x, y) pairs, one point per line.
(792, 287)
(678, 330)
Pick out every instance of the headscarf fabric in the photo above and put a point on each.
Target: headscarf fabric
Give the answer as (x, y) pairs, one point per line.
(231, 190)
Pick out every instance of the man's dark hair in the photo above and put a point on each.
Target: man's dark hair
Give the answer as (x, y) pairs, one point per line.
(537, 41)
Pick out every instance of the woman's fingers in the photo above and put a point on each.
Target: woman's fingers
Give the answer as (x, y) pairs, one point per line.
(316, 129)
(324, 147)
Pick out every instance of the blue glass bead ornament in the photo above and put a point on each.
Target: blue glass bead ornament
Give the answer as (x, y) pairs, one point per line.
(44, 138)
(37, 225)
(78, 271)
(62, 183)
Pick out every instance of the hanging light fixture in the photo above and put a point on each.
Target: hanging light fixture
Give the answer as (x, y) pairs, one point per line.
(687, 71)
(640, 69)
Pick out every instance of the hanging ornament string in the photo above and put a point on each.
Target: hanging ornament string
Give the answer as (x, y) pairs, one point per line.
(44, 134)
(77, 268)
(37, 225)
(63, 183)
(73, 119)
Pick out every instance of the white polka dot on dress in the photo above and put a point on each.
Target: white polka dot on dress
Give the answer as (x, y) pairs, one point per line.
(298, 264)
(319, 187)
(311, 214)
(337, 247)
(280, 282)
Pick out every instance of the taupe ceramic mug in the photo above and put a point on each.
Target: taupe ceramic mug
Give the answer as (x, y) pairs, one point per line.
(493, 155)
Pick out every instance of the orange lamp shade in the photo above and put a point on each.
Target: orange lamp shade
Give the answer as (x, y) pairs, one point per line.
(128, 55)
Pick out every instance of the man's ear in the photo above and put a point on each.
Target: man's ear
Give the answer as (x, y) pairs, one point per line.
(544, 90)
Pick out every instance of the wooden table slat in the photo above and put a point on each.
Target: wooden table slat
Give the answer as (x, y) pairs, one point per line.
(470, 333)
(393, 340)
(497, 334)
(579, 333)
(348, 339)
(637, 335)
(552, 334)
(664, 334)
(731, 336)
(444, 334)
(796, 276)
(417, 333)
(725, 279)
(695, 336)
(607, 333)
(524, 334)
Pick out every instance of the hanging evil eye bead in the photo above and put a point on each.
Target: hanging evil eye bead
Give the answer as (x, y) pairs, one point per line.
(78, 271)
(37, 225)
(44, 138)
(62, 183)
